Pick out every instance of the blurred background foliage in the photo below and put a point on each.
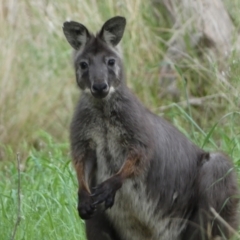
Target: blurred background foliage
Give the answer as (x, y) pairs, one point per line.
(37, 82)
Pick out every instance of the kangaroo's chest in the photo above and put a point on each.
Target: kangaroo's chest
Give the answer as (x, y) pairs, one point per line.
(109, 137)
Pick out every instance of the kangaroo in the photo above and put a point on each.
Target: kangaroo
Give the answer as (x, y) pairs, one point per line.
(139, 177)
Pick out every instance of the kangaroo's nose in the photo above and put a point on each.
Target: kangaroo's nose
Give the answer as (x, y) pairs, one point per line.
(100, 90)
(99, 87)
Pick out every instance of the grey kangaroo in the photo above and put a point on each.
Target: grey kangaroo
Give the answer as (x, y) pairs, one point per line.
(139, 177)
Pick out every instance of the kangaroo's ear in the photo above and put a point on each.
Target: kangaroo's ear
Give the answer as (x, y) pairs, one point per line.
(112, 30)
(76, 34)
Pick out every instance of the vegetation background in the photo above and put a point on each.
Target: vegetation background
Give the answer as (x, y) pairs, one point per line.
(38, 94)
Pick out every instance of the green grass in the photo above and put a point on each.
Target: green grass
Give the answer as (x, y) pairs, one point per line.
(48, 196)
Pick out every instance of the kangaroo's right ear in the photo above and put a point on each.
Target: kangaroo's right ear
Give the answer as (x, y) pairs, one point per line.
(76, 34)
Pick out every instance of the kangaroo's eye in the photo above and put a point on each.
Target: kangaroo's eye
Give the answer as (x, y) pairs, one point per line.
(111, 62)
(83, 65)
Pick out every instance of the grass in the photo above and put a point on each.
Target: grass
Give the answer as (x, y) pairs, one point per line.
(48, 196)
(38, 95)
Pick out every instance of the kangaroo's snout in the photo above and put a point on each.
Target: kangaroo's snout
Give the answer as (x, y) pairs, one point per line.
(100, 90)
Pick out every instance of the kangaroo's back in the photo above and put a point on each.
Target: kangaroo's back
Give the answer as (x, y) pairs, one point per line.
(153, 181)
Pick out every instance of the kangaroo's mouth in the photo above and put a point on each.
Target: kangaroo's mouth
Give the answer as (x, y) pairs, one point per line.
(99, 95)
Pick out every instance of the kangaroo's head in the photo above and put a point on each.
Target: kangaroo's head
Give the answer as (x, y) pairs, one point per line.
(97, 61)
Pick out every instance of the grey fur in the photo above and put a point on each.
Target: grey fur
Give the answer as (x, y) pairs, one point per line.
(177, 182)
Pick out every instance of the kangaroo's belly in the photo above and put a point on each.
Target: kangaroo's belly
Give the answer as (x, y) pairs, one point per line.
(135, 216)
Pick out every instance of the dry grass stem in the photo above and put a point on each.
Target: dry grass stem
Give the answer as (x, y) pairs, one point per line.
(217, 216)
(18, 220)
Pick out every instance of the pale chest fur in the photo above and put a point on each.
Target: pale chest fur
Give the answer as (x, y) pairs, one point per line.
(110, 148)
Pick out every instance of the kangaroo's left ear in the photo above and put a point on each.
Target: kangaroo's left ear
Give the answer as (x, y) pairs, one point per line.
(112, 30)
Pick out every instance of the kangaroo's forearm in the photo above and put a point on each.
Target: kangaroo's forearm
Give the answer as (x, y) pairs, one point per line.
(84, 167)
(132, 166)
(82, 183)
(105, 191)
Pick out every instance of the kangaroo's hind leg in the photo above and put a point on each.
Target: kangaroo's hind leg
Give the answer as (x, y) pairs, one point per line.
(100, 228)
(217, 189)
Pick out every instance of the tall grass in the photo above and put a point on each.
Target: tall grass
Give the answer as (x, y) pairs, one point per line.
(38, 89)
(47, 206)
